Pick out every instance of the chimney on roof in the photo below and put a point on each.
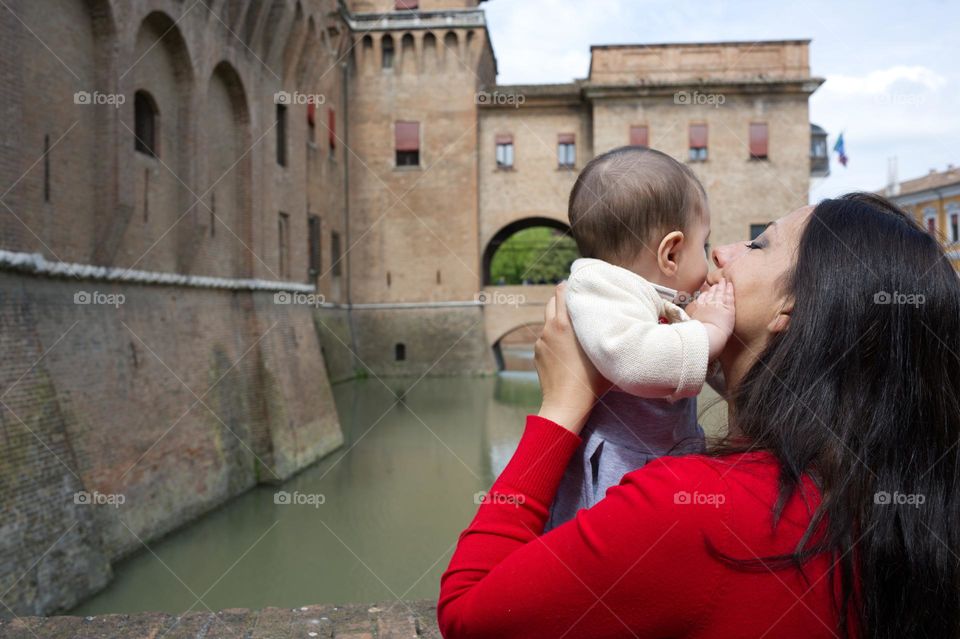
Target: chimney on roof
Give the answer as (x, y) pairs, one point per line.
(933, 172)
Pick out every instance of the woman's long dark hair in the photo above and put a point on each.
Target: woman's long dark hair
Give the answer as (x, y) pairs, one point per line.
(862, 391)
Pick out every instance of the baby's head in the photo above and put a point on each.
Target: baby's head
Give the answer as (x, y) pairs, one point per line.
(642, 210)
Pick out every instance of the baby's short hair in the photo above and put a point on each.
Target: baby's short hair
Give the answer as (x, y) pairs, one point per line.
(624, 196)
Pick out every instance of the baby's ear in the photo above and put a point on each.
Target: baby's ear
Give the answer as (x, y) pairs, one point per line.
(668, 253)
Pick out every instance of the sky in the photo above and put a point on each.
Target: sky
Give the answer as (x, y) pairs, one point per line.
(892, 68)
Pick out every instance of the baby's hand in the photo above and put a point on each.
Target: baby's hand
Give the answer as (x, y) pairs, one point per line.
(714, 308)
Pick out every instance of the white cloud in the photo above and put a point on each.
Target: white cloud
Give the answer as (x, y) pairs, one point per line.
(883, 81)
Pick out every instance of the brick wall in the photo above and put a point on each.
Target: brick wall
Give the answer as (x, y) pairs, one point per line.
(178, 399)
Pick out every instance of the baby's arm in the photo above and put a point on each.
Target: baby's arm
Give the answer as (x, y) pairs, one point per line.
(617, 325)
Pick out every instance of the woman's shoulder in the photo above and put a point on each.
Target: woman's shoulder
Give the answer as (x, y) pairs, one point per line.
(733, 494)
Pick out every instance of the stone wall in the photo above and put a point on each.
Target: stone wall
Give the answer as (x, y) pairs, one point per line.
(175, 399)
(435, 340)
(388, 620)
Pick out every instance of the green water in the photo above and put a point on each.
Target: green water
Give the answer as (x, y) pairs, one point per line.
(395, 497)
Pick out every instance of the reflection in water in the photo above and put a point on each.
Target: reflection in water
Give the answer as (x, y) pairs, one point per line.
(395, 498)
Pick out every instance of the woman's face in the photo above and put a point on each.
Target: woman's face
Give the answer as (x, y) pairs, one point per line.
(756, 270)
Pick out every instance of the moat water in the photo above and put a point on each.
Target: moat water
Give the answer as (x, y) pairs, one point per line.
(376, 520)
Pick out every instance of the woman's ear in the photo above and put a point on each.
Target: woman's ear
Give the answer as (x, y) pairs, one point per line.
(781, 321)
(668, 253)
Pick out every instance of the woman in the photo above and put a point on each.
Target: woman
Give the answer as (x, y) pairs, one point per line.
(830, 510)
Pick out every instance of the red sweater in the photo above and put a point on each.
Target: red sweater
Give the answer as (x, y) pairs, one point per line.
(636, 564)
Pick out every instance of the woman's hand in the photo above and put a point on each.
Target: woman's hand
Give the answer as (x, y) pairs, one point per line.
(569, 381)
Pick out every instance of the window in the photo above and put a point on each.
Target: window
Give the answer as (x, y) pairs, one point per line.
(407, 143)
(407, 5)
(756, 230)
(312, 120)
(504, 151)
(335, 267)
(145, 123)
(46, 168)
(332, 130)
(281, 134)
(313, 228)
(758, 141)
(400, 351)
(638, 136)
(283, 244)
(698, 142)
(953, 214)
(930, 220)
(566, 151)
(386, 46)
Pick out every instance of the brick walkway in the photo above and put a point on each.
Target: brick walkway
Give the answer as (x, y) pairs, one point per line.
(409, 620)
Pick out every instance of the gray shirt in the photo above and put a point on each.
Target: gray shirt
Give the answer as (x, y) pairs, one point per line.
(622, 434)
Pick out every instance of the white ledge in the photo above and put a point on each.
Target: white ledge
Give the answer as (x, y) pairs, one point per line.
(36, 264)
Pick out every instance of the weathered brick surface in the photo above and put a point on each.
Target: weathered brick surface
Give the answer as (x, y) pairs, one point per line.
(176, 399)
(390, 620)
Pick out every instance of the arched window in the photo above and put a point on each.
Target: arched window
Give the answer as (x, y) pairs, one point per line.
(145, 119)
(386, 46)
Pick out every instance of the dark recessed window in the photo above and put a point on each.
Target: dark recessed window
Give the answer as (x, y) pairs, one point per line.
(312, 121)
(46, 168)
(756, 230)
(282, 134)
(332, 130)
(313, 230)
(407, 143)
(145, 116)
(400, 352)
(283, 245)
(335, 264)
(386, 47)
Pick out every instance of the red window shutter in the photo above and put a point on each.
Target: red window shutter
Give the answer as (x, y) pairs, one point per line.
(638, 136)
(566, 138)
(698, 136)
(504, 138)
(758, 139)
(332, 128)
(311, 113)
(407, 136)
(406, 5)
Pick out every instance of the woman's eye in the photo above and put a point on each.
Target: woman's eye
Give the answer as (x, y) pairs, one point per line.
(753, 245)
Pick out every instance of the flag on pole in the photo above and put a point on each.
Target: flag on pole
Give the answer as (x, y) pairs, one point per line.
(838, 147)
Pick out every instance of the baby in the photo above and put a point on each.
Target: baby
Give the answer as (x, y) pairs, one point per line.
(641, 222)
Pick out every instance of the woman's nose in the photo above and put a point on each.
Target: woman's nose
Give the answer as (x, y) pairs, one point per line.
(722, 255)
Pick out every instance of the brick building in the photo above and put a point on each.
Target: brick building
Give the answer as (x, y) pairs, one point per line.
(211, 209)
(934, 200)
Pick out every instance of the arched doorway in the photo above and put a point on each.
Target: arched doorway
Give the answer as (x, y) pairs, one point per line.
(514, 350)
(533, 250)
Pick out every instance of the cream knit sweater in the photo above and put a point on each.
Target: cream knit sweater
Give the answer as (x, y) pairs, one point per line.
(615, 314)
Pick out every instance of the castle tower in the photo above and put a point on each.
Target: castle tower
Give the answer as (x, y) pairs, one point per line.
(412, 142)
